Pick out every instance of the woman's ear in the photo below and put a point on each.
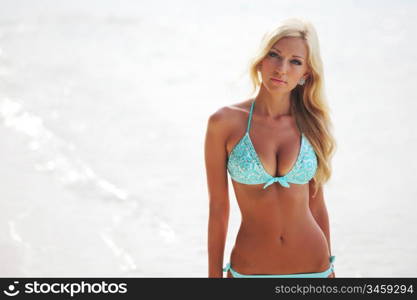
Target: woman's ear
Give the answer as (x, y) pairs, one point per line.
(307, 75)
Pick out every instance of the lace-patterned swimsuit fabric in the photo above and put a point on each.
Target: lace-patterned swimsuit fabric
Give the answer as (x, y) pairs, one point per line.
(245, 166)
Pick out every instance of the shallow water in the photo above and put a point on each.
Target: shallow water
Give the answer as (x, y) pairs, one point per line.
(103, 109)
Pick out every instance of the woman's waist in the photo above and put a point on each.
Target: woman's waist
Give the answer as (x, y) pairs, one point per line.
(281, 257)
(267, 228)
(282, 249)
(277, 237)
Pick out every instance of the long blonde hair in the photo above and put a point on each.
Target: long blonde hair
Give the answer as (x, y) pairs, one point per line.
(308, 102)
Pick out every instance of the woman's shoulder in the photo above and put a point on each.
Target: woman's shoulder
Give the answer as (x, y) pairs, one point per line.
(228, 119)
(229, 115)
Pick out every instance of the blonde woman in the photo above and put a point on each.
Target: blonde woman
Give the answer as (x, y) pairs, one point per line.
(277, 149)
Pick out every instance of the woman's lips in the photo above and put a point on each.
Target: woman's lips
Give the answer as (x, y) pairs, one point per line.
(278, 81)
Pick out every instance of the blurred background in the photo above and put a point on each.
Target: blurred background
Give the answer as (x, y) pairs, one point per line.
(103, 112)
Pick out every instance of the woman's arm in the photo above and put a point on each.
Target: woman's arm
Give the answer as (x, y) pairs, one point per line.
(215, 162)
(319, 211)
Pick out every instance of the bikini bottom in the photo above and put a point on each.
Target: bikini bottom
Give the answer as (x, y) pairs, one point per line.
(323, 274)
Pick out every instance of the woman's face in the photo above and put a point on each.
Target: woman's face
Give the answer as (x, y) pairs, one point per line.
(286, 60)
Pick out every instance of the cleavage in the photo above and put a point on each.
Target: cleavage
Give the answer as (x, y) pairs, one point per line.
(278, 155)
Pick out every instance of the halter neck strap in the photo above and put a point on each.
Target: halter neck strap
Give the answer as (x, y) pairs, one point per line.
(250, 115)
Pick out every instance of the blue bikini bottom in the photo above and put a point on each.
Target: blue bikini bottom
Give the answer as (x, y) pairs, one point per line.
(323, 274)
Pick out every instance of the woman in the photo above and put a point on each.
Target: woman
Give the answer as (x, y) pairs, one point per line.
(277, 148)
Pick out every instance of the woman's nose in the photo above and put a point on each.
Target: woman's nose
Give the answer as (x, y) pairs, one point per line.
(281, 67)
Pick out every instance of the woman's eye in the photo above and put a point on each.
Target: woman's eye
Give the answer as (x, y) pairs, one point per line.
(273, 54)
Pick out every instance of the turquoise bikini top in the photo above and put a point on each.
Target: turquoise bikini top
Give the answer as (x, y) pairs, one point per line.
(245, 167)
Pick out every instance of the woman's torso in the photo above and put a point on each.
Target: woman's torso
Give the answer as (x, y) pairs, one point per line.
(278, 234)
